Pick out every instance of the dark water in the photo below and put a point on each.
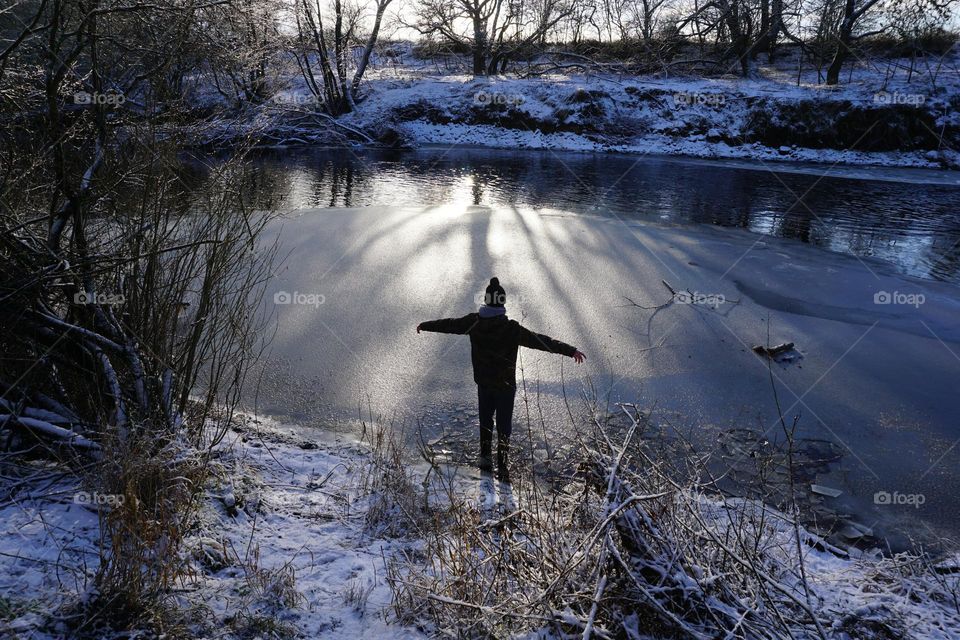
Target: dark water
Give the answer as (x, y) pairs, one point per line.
(910, 218)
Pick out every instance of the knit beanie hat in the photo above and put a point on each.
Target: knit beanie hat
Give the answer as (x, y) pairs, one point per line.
(495, 296)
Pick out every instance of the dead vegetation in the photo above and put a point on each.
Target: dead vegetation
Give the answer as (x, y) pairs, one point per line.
(625, 550)
(126, 319)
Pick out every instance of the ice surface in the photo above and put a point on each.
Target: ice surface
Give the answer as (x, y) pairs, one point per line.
(877, 379)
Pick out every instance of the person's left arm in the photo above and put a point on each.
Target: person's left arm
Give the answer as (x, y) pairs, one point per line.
(543, 342)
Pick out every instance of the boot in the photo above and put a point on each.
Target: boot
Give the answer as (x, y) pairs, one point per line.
(486, 445)
(503, 459)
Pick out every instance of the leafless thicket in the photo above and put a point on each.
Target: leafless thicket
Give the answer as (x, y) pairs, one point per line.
(714, 36)
(492, 30)
(624, 550)
(126, 316)
(330, 54)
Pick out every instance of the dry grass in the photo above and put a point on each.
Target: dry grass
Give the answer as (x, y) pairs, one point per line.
(356, 594)
(396, 506)
(624, 550)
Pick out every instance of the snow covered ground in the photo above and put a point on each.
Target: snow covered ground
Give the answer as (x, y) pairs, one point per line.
(285, 548)
(282, 546)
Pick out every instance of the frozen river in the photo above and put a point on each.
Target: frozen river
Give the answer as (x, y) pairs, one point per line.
(860, 275)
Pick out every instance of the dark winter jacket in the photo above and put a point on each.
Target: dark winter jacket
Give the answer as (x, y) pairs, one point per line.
(494, 343)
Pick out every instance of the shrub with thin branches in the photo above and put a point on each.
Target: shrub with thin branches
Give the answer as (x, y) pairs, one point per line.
(626, 550)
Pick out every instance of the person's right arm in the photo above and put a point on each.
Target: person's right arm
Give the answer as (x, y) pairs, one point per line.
(449, 325)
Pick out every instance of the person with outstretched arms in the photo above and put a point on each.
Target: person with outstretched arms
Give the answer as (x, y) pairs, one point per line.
(494, 343)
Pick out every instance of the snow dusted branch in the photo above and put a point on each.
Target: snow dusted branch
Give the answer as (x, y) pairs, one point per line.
(49, 430)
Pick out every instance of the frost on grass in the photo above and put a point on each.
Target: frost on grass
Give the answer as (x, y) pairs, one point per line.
(282, 546)
(306, 546)
(315, 540)
(626, 551)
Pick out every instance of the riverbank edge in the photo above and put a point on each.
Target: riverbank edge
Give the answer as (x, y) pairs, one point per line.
(292, 540)
(683, 117)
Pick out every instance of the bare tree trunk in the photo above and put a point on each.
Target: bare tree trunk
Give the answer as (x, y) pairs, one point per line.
(843, 43)
(845, 37)
(332, 89)
(479, 46)
(771, 26)
(836, 65)
(371, 43)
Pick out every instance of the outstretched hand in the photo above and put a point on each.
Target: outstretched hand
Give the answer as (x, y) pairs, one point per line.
(579, 357)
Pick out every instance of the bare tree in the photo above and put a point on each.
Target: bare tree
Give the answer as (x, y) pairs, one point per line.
(337, 89)
(771, 26)
(240, 43)
(648, 17)
(919, 25)
(492, 30)
(845, 32)
(842, 24)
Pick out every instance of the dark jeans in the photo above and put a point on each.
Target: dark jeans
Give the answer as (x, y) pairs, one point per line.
(499, 401)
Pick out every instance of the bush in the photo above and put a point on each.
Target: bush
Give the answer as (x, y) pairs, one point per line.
(626, 549)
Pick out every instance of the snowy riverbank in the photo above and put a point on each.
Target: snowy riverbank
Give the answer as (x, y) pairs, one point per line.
(878, 117)
(291, 542)
(281, 546)
(763, 119)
